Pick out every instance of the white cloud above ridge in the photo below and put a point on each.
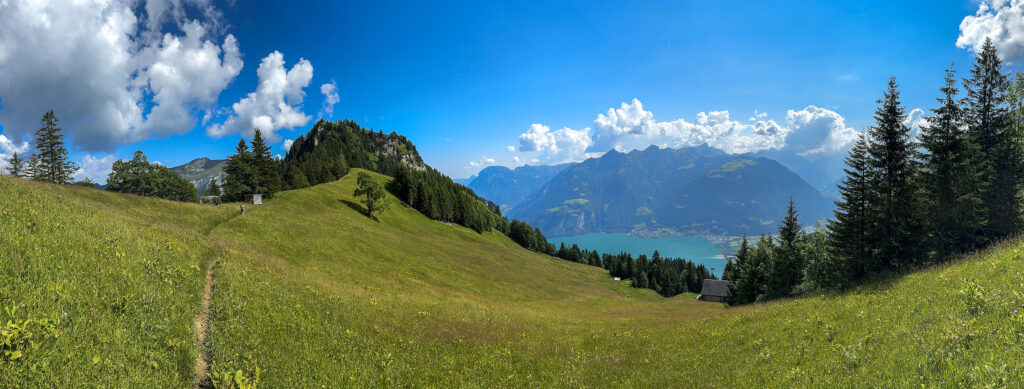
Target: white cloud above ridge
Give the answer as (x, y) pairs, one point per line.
(808, 131)
(330, 92)
(563, 145)
(123, 64)
(275, 104)
(1003, 21)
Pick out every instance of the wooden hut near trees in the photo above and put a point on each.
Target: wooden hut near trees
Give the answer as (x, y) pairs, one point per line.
(256, 199)
(714, 291)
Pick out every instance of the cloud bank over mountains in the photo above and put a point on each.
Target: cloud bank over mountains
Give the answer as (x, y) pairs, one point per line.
(811, 130)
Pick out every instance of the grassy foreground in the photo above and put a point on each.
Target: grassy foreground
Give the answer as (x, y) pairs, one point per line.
(308, 292)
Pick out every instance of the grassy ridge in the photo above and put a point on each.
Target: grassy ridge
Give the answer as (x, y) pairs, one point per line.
(310, 292)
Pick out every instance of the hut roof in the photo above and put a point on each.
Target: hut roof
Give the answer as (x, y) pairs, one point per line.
(715, 288)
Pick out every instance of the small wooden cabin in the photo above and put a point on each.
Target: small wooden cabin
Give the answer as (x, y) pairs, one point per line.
(714, 291)
(256, 199)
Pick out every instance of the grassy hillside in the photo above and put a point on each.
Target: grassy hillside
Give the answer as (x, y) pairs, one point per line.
(310, 292)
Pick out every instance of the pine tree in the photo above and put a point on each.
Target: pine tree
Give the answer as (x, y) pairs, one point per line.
(985, 107)
(240, 178)
(786, 268)
(17, 168)
(734, 268)
(754, 273)
(853, 221)
(268, 176)
(948, 176)
(51, 160)
(896, 236)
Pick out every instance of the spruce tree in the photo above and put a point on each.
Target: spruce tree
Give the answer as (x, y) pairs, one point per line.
(949, 178)
(985, 107)
(17, 168)
(896, 237)
(240, 174)
(786, 268)
(268, 176)
(51, 160)
(853, 219)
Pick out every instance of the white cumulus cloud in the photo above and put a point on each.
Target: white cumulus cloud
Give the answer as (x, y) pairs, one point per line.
(288, 144)
(916, 121)
(330, 92)
(276, 103)
(95, 169)
(557, 146)
(1003, 21)
(108, 70)
(811, 130)
(814, 130)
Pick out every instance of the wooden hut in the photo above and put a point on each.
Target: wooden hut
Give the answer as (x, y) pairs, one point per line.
(714, 291)
(256, 199)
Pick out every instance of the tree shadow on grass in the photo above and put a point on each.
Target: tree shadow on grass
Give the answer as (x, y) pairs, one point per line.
(358, 208)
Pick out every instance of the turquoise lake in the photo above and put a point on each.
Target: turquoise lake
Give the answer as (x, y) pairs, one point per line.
(693, 248)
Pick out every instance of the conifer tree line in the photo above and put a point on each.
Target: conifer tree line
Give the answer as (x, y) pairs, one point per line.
(50, 162)
(251, 171)
(666, 276)
(907, 202)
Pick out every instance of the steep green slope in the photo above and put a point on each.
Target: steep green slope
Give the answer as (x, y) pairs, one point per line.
(309, 292)
(413, 301)
(109, 286)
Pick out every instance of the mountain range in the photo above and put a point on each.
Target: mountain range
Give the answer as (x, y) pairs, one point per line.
(690, 191)
(509, 187)
(202, 172)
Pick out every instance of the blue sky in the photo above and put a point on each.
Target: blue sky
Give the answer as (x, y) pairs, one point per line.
(480, 83)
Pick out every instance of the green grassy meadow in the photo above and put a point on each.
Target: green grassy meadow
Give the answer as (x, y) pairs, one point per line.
(309, 292)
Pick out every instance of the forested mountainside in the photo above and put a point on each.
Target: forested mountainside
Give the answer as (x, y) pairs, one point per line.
(693, 190)
(509, 187)
(202, 172)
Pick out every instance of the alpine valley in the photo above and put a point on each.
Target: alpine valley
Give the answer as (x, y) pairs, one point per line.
(658, 191)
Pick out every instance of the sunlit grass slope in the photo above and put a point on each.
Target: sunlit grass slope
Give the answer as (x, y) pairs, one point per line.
(314, 292)
(98, 288)
(310, 292)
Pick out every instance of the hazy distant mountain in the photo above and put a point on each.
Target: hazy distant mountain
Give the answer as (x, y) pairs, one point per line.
(202, 172)
(684, 191)
(508, 187)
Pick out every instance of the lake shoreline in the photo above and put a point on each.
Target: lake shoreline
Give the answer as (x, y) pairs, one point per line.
(712, 251)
